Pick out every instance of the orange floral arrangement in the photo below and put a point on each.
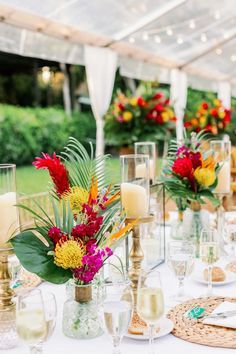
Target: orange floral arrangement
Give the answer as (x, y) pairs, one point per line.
(211, 116)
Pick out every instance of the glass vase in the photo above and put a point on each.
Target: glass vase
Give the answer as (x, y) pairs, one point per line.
(82, 312)
(177, 231)
(194, 221)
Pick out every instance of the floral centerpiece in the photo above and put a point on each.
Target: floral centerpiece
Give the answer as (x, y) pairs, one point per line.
(211, 116)
(190, 176)
(130, 119)
(84, 229)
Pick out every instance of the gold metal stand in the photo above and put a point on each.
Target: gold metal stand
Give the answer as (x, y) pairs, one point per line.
(6, 293)
(136, 255)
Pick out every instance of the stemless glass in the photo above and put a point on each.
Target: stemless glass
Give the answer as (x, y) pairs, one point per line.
(147, 148)
(135, 185)
(31, 323)
(117, 312)
(209, 253)
(150, 304)
(181, 262)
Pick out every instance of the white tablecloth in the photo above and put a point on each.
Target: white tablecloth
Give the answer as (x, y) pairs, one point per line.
(59, 344)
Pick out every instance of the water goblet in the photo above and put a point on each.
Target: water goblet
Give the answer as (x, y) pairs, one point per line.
(181, 261)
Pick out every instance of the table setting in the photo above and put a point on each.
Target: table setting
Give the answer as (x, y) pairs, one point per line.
(104, 272)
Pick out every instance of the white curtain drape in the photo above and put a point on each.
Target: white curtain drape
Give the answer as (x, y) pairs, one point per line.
(224, 93)
(178, 96)
(101, 64)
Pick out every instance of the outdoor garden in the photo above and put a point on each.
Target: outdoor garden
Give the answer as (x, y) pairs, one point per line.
(29, 127)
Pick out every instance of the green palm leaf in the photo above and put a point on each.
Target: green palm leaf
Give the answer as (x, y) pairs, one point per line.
(82, 166)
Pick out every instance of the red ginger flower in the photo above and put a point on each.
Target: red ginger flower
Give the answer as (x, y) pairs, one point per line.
(57, 171)
(183, 167)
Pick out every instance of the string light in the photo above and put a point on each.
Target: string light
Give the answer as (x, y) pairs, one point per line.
(217, 15)
(131, 39)
(218, 51)
(226, 35)
(180, 40)
(192, 24)
(203, 37)
(233, 58)
(46, 74)
(169, 32)
(145, 36)
(157, 39)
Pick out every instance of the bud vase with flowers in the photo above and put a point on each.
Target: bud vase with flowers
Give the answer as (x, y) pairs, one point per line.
(78, 238)
(190, 174)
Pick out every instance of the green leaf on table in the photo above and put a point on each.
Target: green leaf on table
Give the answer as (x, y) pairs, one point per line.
(33, 255)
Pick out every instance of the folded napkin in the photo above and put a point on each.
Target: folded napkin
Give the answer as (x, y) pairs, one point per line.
(229, 322)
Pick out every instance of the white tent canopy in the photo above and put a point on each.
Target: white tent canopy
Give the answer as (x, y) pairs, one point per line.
(153, 38)
(196, 36)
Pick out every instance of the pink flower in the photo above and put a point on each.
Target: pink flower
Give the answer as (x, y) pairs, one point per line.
(92, 263)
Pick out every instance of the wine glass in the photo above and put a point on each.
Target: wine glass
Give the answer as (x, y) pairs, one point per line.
(117, 312)
(50, 313)
(209, 253)
(36, 318)
(150, 302)
(30, 320)
(229, 235)
(181, 262)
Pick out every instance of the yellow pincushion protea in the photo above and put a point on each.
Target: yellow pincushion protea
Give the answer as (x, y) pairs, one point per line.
(69, 254)
(77, 196)
(205, 176)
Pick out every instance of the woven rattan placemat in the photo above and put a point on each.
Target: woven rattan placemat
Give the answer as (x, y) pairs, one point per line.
(195, 331)
(28, 281)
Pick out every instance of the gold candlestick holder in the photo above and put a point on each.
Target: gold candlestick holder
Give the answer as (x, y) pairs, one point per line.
(136, 256)
(6, 293)
(8, 336)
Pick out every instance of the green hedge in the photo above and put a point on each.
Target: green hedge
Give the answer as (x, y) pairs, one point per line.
(26, 132)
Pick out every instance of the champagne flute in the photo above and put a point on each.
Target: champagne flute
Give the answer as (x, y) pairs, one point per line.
(150, 302)
(117, 312)
(181, 262)
(209, 253)
(30, 320)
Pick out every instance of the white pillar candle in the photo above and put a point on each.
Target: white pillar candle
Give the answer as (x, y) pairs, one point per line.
(134, 200)
(223, 185)
(140, 170)
(8, 216)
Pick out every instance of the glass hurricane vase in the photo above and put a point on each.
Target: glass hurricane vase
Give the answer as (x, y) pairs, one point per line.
(82, 312)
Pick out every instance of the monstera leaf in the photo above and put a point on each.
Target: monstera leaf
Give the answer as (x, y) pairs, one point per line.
(33, 255)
